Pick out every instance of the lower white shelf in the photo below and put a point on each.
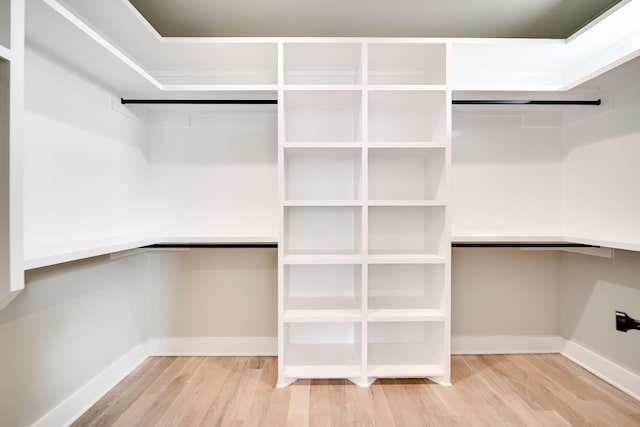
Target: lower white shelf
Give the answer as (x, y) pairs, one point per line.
(42, 256)
(322, 361)
(403, 360)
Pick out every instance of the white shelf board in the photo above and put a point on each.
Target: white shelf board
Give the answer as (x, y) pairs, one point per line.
(613, 244)
(55, 31)
(486, 238)
(403, 308)
(324, 87)
(321, 361)
(322, 145)
(187, 88)
(322, 309)
(322, 259)
(507, 87)
(42, 256)
(219, 239)
(406, 203)
(405, 259)
(323, 202)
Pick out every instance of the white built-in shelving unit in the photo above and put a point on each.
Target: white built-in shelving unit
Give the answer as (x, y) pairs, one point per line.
(364, 129)
(364, 249)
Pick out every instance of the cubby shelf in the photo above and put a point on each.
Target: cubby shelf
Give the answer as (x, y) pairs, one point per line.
(417, 174)
(323, 116)
(322, 63)
(406, 349)
(322, 361)
(407, 116)
(322, 349)
(323, 173)
(407, 63)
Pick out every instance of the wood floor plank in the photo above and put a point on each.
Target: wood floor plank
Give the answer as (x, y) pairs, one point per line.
(490, 390)
(212, 377)
(320, 407)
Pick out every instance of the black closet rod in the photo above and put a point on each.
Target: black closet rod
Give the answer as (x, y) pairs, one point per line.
(275, 101)
(522, 102)
(199, 101)
(520, 245)
(211, 245)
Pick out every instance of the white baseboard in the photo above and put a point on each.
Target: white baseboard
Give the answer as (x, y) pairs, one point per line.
(603, 368)
(506, 344)
(75, 405)
(213, 346)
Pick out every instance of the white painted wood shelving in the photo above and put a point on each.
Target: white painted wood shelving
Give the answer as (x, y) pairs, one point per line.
(364, 159)
(365, 247)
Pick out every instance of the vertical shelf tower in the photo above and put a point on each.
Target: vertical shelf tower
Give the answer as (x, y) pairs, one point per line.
(364, 254)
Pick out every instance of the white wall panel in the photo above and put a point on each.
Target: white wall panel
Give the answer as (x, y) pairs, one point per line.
(214, 173)
(506, 172)
(601, 173)
(85, 169)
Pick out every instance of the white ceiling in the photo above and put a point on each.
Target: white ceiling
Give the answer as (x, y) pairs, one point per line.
(371, 18)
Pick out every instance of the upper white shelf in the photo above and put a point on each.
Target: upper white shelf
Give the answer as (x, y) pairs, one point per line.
(55, 31)
(139, 59)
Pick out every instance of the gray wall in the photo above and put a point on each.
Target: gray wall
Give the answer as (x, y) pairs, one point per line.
(504, 291)
(70, 323)
(592, 290)
(213, 293)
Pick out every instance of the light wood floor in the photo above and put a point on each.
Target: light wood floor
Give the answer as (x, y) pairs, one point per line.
(529, 390)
